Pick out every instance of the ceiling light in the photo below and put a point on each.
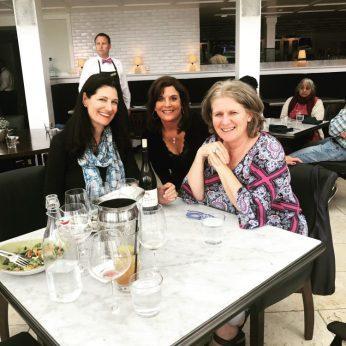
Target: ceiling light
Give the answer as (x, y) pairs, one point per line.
(149, 4)
(272, 13)
(198, 2)
(330, 4)
(284, 6)
(227, 8)
(313, 11)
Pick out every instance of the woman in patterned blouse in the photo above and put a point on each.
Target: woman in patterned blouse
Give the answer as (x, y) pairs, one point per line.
(241, 170)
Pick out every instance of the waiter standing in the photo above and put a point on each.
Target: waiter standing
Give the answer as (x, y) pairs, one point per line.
(104, 63)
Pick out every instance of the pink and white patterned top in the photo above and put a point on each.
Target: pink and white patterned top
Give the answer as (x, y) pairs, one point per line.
(266, 197)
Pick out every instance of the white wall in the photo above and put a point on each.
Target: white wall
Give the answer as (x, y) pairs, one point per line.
(163, 37)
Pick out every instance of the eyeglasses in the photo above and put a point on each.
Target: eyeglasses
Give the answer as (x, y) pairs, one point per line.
(197, 215)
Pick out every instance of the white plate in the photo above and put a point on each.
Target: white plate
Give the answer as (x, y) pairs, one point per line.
(13, 247)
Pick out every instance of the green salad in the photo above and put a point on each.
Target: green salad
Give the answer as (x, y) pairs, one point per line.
(33, 254)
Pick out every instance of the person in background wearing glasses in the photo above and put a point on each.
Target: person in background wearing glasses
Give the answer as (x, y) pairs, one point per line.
(241, 170)
(174, 135)
(306, 103)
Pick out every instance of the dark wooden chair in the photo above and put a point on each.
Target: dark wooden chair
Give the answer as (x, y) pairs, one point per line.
(312, 185)
(20, 339)
(22, 210)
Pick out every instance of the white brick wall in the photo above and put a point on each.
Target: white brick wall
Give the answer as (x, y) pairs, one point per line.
(163, 37)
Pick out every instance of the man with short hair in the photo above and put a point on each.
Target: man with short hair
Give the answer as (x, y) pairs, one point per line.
(104, 63)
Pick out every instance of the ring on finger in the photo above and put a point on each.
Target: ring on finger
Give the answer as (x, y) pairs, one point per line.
(215, 150)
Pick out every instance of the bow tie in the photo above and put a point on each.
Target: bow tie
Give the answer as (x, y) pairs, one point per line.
(107, 61)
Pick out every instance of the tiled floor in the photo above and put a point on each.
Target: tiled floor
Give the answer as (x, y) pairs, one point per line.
(284, 321)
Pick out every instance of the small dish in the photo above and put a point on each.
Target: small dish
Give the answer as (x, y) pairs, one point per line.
(14, 247)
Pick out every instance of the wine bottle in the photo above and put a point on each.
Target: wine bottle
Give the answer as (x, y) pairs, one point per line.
(147, 180)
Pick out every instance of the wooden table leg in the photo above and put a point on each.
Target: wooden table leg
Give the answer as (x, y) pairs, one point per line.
(4, 330)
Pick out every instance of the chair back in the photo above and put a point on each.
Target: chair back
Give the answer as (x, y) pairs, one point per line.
(313, 185)
(22, 206)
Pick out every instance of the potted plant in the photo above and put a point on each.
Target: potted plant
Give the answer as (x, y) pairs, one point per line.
(3, 128)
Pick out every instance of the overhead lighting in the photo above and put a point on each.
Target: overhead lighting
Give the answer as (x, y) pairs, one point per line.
(314, 11)
(149, 4)
(285, 6)
(273, 13)
(330, 4)
(199, 2)
(223, 15)
(93, 6)
(227, 8)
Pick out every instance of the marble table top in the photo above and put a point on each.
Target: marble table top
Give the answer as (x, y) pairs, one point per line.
(201, 284)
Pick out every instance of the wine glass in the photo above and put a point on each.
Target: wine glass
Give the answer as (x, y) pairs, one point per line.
(109, 258)
(78, 195)
(78, 217)
(152, 231)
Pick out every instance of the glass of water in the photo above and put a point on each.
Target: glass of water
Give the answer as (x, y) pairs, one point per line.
(212, 228)
(299, 119)
(146, 292)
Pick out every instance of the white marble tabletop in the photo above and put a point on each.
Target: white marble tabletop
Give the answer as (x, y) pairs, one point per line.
(299, 129)
(200, 283)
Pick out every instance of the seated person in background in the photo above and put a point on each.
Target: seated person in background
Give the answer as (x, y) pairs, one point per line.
(241, 170)
(306, 103)
(330, 149)
(94, 146)
(252, 81)
(174, 135)
(218, 59)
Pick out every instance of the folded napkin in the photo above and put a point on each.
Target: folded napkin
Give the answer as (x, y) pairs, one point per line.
(311, 121)
(280, 128)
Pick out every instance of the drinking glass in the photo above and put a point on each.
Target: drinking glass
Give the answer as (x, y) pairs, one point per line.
(212, 228)
(11, 139)
(152, 230)
(78, 217)
(299, 119)
(146, 292)
(109, 258)
(78, 195)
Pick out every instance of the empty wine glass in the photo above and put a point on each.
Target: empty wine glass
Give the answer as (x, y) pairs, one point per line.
(152, 231)
(109, 258)
(78, 195)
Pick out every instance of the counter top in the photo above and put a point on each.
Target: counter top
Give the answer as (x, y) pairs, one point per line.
(208, 71)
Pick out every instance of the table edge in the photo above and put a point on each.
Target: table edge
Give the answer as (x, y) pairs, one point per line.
(249, 298)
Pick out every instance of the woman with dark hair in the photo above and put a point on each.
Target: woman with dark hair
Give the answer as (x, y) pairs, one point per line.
(174, 135)
(306, 103)
(94, 146)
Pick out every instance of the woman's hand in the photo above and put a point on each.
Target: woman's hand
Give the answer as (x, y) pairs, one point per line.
(291, 161)
(167, 193)
(214, 149)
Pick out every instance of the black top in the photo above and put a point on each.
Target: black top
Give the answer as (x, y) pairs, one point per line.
(168, 166)
(64, 173)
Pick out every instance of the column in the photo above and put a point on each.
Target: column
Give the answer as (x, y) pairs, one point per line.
(270, 41)
(38, 95)
(248, 36)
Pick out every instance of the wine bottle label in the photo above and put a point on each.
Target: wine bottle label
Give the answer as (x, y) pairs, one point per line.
(150, 198)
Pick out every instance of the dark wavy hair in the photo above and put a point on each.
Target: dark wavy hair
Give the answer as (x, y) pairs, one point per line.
(155, 91)
(79, 129)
